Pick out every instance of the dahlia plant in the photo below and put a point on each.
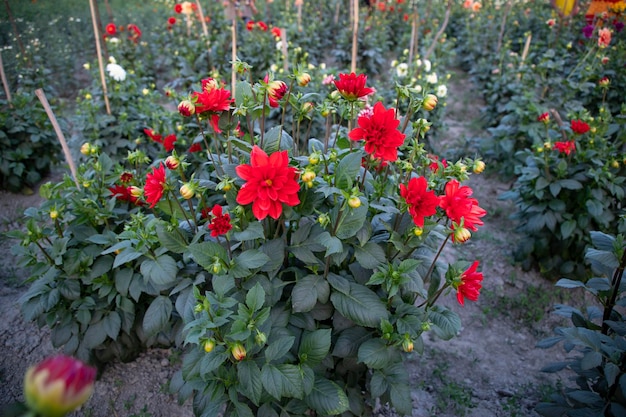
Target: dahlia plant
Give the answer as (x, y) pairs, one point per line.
(297, 271)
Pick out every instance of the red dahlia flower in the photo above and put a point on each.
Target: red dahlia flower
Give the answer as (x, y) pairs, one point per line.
(169, 141)
(250, 25)
(565, 147)
(352, 86)
(276, 90)
(171, 20)
(470, 284)
(276, 32)
(123, 193)
(460, 208)
(380, 133)
(220, 223)
(134, 32)
(578, 126)
(435, 163)
(262, 26)
(544, 118)
(155, 185)
(153, 135)
(270, 181)
(214, 100)
(178, 8)
(111, 29)
(196, 147)
(422, 203)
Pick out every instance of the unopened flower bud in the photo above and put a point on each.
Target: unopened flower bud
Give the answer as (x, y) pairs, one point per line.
(604, 82)
(314, 158)
(323, 219)
(430, 102)
(136, 191)
(187, 190)
(461, 234)
(308, 176)
(186, 108)
(407, 345)
(54, 214)
(354, 202)
(307, 107)
(418, 231)
(303, 79)
(260, 338)
(238, 352)
(58, 385)
(614, 164)
(172, 162)
(85, 149)
(209, 345)
(479, 166)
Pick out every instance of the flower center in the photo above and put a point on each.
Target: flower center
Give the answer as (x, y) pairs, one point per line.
(268, 182)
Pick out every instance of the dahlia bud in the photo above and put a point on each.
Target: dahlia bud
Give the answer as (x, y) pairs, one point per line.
(85, 149)
(418, 231)
(308, 176)
(307, 107)
(187, 190)
(209, 345)
(58, 385)
(238, 351)
(303, 79)
(260, 338)
(136, 191)
(314, 158)
(172, 162)
(604, 82)
(407, 345)
(323, 219)
(479, 166)
(461, 235)
(186, 108)
(430, 102)
(544, 118)
(277, 89)
(354, 202)
(54, 214)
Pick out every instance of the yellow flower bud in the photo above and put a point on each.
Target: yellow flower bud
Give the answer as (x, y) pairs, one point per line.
(314, 159)
(430, 102)
(479, 166)
(303, 79)
(418, 231)
(407, 345)
(85, 149)
(238, 352)
(54, 214)
(354, 202)
(614, 164)
(308, 176)
(209, 345)
(187, 191)
(461, 235)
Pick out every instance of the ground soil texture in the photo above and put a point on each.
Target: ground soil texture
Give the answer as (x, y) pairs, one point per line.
(492, 369)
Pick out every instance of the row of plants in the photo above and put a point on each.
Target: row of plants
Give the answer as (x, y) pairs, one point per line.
(551, 79)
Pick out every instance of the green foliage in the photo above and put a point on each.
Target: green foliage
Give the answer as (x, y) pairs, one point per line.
(29, 146)
(595, 342)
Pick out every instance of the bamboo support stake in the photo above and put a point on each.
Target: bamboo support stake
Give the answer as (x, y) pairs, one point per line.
(413, 40)
(5, 83)
(96, 33)
(205, 30)
(55, 124)
(446, 19)
(355, 34)
(233, 57)
(524, 54)
(505, 15)
(283, 42)
(298, 4)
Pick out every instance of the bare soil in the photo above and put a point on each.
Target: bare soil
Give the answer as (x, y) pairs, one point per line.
(492, 369)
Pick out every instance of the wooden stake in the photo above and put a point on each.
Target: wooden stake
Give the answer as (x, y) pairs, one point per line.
(15, 32)
(55, 124)
(5, 83)
(99, 52)
(233, 57)
(413, 40)
(283, 42)
(524, 54)
(355, 35)
(205, 30)
(442, 29)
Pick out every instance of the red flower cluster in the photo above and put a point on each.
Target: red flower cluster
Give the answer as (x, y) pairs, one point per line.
(155, 185)
(111, 29)
(579, 127)
(565, 147)
(352, 86)
(220, 223)
(436, 163)
(276, 32)
(251, 25)
(422, 203)
(270, 182)
(379, 130)
(460, 208)
(123, 193)
(213, 99)
(167, 142)
(470, 284)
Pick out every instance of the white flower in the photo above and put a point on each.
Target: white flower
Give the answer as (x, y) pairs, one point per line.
(274, 67)
(426, 64)
(116, 72)
(279, 45)
(432, 78)
(442, 90)
(112, 60)
(113, 39)
(86, 65)
(394, 63)
(402, 70)
(416, 89)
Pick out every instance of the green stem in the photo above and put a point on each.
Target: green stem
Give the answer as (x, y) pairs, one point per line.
(431, 269)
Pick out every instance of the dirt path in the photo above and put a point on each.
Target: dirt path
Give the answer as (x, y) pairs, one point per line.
(490, 369)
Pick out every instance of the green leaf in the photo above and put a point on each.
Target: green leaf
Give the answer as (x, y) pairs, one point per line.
(446, 323)
(591, 360)
(252, 232)
(567, 228)
(205, 253)
(308, 291)
(252, 259)
(171, 240)
(314, 346)
(282, 381)
(277, 139)
(127, 255)
(376, 354)
(278, 348)
(351, 222)
(157, 316)
(570, 184)
(161, 271)
(94, 336)
(111, 324)
(370, 256)
(611, 372)
(361, 305)
(569, 283)
(327, 398)
(331, 243)
(249, 376)
(349, 341)
(347, 170)
(255, 297)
